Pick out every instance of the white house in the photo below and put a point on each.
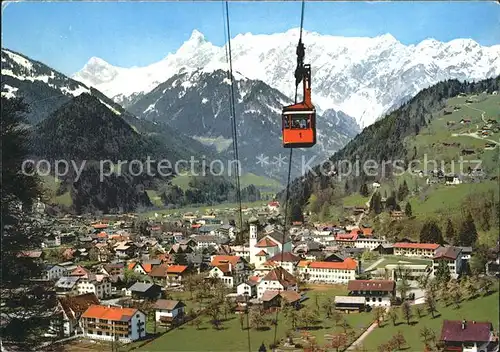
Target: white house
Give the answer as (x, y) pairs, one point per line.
(100, 285)
(107, 323)
(169, 311)
(452, 256)
(248, 288)
(368, 243)
(328, 272)
(377, 293)
(230, 269)
(53, 272)
(277, 279)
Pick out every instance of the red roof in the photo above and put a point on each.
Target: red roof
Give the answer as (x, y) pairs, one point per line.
(79, 271)
(100, 226)
(102, 234)
(109, 313)
(371, 285)
(222, 259)
(176, 269)
(274, 204)
(287, 257)
(367, 231)
(224, 268)
(432, 246)
(262, 253)
(266, 242)
(282, 276)
(347, 236)
(347, 264)
(472, 332)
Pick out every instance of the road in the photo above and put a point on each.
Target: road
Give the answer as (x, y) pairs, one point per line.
(475, 135)
(358, 223)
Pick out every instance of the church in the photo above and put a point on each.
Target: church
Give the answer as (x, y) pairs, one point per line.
(268, 246)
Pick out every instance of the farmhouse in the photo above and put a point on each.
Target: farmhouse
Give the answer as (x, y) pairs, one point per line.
(376, 292)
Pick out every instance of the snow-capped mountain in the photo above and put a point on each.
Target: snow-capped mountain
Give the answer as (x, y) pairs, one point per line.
(364, 77)
(43, 88)
(197, 104)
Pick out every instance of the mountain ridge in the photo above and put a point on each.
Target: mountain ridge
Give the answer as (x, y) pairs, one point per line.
(363, 77)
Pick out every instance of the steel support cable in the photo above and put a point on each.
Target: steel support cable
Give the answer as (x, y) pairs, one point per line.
(235, 138)
(300, 62)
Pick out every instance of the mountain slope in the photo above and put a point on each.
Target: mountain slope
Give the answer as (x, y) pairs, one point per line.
(364, 77)
(197, 104)
(385, 140)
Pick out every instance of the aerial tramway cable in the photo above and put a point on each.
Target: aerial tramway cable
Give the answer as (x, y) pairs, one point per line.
(235, 136)
(298, 71)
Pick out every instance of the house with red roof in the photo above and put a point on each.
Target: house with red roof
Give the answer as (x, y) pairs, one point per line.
(452, 256)
(415, 249)
(110, 323)
(168, 274)
(231, 269)
(468, 336)
(377, 293)
(277, 279)
(328, 272)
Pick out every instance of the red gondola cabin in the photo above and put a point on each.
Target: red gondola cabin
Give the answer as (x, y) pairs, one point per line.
(299, 120)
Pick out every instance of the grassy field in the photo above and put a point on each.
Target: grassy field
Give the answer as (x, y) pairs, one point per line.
(479, 309)
(447, 199)
(232, 338)
(154, 197)
(50, 185)
(355, 199)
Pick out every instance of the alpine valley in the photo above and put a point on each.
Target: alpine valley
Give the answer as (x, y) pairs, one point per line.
(179, 108)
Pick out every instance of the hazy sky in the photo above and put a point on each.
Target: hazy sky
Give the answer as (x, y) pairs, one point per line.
(65, 35)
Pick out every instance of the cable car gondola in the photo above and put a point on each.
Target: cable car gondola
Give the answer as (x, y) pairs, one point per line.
(299, 119)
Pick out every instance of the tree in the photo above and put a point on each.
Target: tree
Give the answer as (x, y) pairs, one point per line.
(419, 310)
(242, 321)
(337, 317)
(403, 191)
(364, 190)
(378, 314)
(328, 306)
(257, 320)
(431, 233)
(403, 286)
(296, 214)
(406, 312)
(427, 335)
(391, 202)
(180, 258)
(443, 275)
(408, 211)
(450, 233)
(430, 301)
(376, 203)
(26, 305)
(467, 234)
(393, 315)
(399, 340)
(338, 341)
(227, 308)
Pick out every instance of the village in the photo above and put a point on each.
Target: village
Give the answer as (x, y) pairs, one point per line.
(127, 281)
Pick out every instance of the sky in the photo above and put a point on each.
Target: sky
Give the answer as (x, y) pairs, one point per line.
(65, 35)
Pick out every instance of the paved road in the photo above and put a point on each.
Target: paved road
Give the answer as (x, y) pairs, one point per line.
(364, 335)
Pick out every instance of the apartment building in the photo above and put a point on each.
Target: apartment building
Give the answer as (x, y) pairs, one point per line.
(107, 323)
(328, 272)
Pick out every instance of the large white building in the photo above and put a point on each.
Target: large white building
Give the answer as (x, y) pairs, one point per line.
(328, 272)
(415, 249)
(106, 323)
(377, 293)
(452, 256)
